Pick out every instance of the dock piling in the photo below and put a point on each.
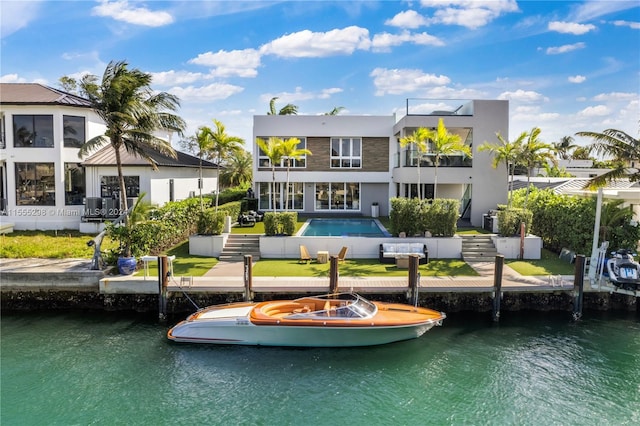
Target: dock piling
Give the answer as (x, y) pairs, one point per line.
(578, 287)
(163, 282)
(333, 274)
(497, 286)
(248, 278)
(414, 280)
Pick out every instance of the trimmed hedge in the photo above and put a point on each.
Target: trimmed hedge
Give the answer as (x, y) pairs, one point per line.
(415, 217)
(283, 223)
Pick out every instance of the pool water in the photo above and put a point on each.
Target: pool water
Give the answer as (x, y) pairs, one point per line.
(343, 227)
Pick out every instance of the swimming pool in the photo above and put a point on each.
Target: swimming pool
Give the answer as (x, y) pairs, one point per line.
(343, 227)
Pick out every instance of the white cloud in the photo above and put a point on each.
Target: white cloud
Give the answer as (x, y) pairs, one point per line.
(307, 44)
(17, 15)
(212, 92)
(397, 81)
(616, 96)
(468, 13)
(121, 10)
(172, 78)
(408, 19)
(326, 93)
(382, 42)
(570, 27)
(523, 96)
(630, 24)
(577, 79)
(299, 95)
(565, 48)
(595, 111)
(242, 63)
(12, 78)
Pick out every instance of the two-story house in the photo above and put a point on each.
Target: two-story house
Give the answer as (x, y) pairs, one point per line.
(357, 161)
(45, 185)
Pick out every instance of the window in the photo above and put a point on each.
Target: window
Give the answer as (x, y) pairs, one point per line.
(35, 184)
(263, 160)
(338, 196)
(73, 131)
(110, 188)
(295, 196)
(33, 131)
(346, 153)
(74, 184)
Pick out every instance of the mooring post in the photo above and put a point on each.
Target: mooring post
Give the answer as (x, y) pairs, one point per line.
(414, 280)
(333, 274)
(578, 287)
(497, 286)
(248, 278)
(163, 282)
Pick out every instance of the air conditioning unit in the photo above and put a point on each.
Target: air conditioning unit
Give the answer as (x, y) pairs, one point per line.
(93, 207)
(111, 208)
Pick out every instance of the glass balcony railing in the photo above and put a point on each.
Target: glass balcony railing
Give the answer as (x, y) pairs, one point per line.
(410, 159)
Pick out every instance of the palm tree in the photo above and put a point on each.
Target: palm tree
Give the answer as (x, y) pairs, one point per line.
(334, 111)
(418, 139)
(204, 142)
(445, 143)
(238, 170)
(221, 148)
(272, 148)
(564, 147)
(535, 152)
(505, 152)
(131, 112)
(290, 152)
(288, 109)
(624, 149)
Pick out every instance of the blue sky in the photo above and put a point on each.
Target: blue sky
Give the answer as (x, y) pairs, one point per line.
(565, 66)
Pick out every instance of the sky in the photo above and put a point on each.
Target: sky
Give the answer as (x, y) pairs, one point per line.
(564, 66)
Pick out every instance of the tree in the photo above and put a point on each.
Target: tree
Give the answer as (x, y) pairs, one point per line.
(564, 147)
(581, 153)
(444, 143)
(221, 148)
(625, 151)
(238, 170)
(288, 109)
(272, 148)
(131, 112)
(418, 139)
(334, 111)
(508, 153)
(204, 142)
(290, 152)
(68, 84)
(535, 152)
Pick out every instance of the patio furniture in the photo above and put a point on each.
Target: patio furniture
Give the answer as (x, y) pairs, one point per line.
(304, 254)
(390, 251)
(323, 256)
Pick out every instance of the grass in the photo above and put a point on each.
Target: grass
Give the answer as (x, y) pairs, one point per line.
(185, 264)
(49, 244)
(358, 268)
(548, 264)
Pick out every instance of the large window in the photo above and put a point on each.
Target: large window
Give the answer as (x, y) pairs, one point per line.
(294, 196)
(73, 131)
(33, 131)
(346, 153)
(35, 184)
(110, 187)
(263, 160)
(338, 196)
(74, 184)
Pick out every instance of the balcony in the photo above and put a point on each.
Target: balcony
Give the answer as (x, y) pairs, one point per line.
(410, 159)
(437, 107)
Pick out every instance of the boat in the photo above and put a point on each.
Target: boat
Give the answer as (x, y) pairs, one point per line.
(623, 270)
(329, 320)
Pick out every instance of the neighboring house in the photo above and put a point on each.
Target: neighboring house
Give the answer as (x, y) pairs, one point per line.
(43, 182)
(357, 161)
(576, 168)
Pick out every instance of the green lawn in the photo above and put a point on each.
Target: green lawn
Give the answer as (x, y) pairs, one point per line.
(549, 264)
(185, 263)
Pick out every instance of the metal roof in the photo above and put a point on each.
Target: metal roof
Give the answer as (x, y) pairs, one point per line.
(106, 156)
(569, 185)
(38, 94)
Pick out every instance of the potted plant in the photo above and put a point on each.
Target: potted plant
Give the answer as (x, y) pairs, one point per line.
(124, 232)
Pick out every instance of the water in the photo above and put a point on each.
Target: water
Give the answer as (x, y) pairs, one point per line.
(114, 369)
(340, 227)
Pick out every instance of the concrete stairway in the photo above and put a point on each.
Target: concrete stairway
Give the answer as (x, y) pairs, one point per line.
(238, 246)
(478, 248)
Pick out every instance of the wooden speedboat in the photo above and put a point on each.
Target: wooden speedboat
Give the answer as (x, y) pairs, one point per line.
(332, 320)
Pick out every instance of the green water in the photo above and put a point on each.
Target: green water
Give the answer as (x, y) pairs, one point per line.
(113, 369)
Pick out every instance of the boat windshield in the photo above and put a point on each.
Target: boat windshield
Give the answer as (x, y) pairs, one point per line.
(355, 308)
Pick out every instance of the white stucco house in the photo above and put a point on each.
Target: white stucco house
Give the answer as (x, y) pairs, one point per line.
(357, 161)
(45, 185)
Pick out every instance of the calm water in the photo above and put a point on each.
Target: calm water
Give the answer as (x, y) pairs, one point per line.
(535, 369)
(339, 227)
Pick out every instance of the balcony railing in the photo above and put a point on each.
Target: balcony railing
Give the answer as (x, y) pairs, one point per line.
(410, 159)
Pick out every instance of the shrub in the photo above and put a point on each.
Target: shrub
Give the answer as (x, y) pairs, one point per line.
(413, 216)
(211, 222)
(509, 221)
(283, 223)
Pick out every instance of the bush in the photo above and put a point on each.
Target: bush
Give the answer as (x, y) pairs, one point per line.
(211, 222)
(413, 216)
(509, 221)
(280, 223)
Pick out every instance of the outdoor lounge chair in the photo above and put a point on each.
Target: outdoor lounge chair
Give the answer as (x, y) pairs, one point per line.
(342, 254)
(304, 254)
